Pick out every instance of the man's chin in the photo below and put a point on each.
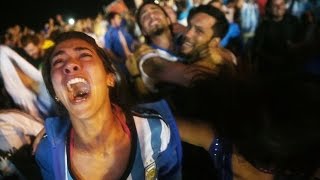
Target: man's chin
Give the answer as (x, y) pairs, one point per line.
(157, 31)
(186, 52)
(190, 55)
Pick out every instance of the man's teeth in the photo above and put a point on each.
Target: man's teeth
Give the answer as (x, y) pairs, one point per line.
(187, 44)
(74, 81)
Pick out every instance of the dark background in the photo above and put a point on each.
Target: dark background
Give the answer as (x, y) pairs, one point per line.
(35, 14)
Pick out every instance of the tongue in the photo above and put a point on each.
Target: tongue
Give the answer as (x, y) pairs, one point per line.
(80, 90)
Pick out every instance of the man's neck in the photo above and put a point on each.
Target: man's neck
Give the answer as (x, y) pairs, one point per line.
(278, 18)
(164, 40)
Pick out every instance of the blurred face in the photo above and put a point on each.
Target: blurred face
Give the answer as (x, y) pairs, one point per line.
(153, 20)
(198, 34)
(32, 50)
(79, 78)
(117, 20)
(278, 8)
(59, 18)
(181, 4)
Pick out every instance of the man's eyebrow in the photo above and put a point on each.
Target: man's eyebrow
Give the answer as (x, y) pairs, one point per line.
(198, 27)
(143, 12)
(150, 8)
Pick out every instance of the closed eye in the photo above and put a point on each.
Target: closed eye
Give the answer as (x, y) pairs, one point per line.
(85, 55)
(57, 62)
(198, 30)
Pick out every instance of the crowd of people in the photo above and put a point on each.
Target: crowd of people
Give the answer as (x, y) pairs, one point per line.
(172, 89)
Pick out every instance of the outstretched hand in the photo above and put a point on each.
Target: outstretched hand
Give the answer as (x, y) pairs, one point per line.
(213, 54)
(132, 60)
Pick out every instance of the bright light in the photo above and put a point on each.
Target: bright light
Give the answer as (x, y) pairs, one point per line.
(71, 21)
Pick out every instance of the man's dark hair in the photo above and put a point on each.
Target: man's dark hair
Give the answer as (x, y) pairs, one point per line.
(138, 12)
(141, 7)
(29, 38)
(268, 9)
(213, 1)
(111, 15)
(220, 28)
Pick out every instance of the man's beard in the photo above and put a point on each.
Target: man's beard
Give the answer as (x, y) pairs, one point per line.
(157, 31)
(196, 53)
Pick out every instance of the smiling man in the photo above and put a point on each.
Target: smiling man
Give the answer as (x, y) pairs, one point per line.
(200, 47)
(207, 26)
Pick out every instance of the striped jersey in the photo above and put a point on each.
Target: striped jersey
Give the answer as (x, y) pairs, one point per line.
(154, 153)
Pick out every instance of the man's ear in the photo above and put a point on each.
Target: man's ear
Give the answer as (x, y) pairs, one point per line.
(143, 32)
(168, 20)
(111, 79)
(215, 42)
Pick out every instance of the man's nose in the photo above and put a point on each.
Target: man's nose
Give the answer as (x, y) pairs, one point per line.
(189, 33)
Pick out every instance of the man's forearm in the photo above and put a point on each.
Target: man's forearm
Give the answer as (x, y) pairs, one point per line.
(173, 72)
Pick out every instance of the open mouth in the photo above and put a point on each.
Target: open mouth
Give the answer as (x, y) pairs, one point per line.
(154, 22)
(187, 44)
(79, 89)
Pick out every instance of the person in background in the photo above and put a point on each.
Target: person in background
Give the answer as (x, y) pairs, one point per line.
(118, 42)
(17, 132)
(112, 40)
(273, 57)
(33, 47)
(232, 40)
(24, 84)
(183, 9)
(249, 19)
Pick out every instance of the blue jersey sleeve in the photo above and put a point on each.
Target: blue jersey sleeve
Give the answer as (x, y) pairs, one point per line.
(43, 158)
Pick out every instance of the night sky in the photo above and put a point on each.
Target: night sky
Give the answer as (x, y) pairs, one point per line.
(35, 13)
